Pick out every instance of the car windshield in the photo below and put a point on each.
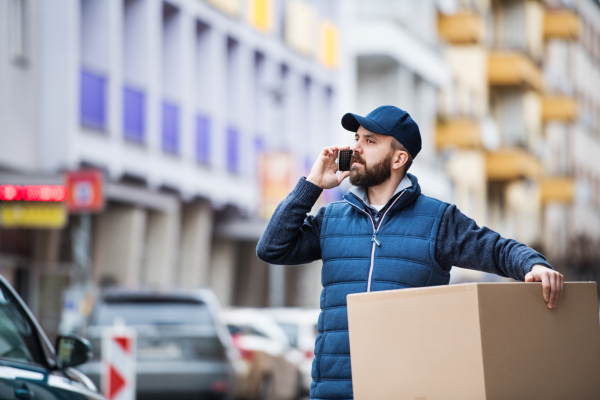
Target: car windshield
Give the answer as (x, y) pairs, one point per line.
(18, 340)
(153, 313)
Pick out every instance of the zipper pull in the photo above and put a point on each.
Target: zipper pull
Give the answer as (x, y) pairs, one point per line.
(374, 239)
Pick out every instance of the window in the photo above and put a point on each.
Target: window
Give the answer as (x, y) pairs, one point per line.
(18, 337)
(135, 69)
(133, 114)
(16, 20)
(94, 52)
(170, 128)
(92, 100)
(153, 312)
(232, 149)
(202, 139)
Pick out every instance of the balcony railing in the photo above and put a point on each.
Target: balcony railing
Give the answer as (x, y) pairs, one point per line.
(559, 190)
(559, 108)
(511, 164)
(561, 24)
(507, 68)
(462, 133)
(462, 28)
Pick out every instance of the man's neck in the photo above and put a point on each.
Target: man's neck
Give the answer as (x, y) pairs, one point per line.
(380, 194)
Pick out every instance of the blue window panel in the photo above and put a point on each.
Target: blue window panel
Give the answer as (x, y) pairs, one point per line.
(232, 149)
(92, 100)
(134, 113)
(203, 139)
(170, 128)
(259, 148)
(259, 145)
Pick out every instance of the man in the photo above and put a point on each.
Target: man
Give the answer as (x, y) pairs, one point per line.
(383, 235)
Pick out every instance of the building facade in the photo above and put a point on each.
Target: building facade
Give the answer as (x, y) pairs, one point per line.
(180, 103)
(519, 125)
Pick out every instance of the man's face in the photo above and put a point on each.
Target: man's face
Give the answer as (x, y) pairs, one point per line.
(371, 163)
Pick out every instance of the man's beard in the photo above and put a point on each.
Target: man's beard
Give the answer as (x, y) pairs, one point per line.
(370, 176)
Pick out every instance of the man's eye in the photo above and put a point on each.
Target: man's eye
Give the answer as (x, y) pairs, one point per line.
(370, 141)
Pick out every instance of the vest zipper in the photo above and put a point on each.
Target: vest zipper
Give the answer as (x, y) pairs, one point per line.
(374, 238)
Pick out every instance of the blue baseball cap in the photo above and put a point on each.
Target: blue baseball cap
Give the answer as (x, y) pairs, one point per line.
(391, 121)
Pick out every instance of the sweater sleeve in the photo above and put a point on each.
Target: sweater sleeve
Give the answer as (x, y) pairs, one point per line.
(461, 243)
(291, 236)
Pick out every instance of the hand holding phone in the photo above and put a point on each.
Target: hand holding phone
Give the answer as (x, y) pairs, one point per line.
(325, 172)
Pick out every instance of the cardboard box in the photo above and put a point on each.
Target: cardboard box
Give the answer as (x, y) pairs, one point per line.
(475, 341)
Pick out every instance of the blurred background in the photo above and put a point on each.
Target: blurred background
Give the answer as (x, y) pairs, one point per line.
(177, 126)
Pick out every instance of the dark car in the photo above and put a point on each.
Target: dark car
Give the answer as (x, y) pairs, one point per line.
(184, 350)
(29, 367)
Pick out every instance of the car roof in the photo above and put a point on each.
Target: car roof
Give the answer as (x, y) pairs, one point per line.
(293, 315)
(122, 295)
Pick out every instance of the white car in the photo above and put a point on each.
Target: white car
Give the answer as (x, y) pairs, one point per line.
(269, 364)
(300, 325)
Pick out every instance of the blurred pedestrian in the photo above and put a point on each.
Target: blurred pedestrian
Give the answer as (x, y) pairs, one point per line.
(385, 234)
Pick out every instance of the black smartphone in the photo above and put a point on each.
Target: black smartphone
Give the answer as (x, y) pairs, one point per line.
(344, 157)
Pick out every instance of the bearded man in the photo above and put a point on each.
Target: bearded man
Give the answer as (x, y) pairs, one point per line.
(383, 235)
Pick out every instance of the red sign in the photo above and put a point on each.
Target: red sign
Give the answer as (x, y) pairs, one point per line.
(33, 192)
(86, 191)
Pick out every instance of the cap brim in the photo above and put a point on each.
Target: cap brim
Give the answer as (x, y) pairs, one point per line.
(351, 122)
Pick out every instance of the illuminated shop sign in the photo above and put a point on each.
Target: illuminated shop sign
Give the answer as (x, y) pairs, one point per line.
(33, 206)
(33, 215)
(33, 193)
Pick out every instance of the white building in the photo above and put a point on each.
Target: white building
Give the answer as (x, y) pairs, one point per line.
(392, 56)
(175, 101)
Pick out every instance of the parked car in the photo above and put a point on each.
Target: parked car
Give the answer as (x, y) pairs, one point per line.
(300, 326)
(269, 369)
(29, 366)
(184, 350)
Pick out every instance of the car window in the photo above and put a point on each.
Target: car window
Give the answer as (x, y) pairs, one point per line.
(291, 330)
(153, 313)
(18, 338)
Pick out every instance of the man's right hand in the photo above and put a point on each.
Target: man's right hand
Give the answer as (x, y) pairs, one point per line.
(323, 172)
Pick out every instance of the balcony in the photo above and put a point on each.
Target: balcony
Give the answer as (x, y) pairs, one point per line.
(561, 25)
(462, 28)
(559, 190)
(511, 164)
(459, 133)
(513, 69)
(559, 108)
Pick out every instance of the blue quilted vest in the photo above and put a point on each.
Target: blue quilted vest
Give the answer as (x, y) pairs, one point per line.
(357, 258)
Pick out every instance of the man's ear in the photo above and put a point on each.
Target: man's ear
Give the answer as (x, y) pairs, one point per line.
(399, 159)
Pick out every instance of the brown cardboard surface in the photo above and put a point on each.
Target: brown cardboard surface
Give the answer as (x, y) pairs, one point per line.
(475, 341)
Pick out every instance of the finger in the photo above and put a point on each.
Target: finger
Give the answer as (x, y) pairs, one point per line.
(553, 289)
(343, 176)
(529, 277)
(546, 288)
(560, 287)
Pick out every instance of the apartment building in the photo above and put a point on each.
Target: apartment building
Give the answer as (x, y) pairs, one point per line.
(392, 55)
(517, 123)
(184, 105)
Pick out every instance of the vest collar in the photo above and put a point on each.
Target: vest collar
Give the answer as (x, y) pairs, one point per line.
(411, 194)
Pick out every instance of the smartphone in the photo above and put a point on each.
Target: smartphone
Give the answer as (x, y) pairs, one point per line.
(344, 157)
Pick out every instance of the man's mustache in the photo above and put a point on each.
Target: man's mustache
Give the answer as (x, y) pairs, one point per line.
(356, 158)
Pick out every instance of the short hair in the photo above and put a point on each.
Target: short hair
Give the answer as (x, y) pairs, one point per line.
(396, 145)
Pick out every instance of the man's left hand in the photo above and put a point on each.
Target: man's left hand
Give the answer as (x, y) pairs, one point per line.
(552, 283)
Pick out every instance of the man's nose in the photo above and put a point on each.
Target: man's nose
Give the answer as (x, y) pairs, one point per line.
(357, 148)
